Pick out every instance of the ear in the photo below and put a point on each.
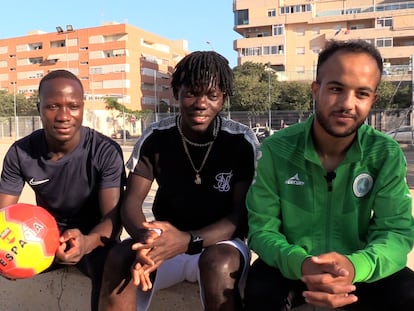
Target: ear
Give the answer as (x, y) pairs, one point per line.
(315, 86)
(376, 97)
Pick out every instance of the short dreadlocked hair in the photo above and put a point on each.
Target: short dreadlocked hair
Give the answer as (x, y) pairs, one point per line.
(201, 70)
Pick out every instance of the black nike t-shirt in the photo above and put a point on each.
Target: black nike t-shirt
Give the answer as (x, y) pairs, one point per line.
(67, 188)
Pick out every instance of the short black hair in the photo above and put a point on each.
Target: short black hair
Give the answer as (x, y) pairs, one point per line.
(354, 46)
(201, 69)
(60, 73)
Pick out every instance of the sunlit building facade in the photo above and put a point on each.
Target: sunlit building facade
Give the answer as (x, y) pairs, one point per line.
(113, 60)
(287, 35)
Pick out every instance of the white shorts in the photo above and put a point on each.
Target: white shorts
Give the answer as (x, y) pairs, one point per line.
(185, 268)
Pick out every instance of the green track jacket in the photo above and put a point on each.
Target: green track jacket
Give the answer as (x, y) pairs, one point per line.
(363, 213)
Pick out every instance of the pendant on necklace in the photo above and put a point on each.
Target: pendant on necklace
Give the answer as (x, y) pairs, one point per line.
(197, 180)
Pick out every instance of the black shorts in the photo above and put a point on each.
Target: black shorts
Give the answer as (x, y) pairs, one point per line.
(91, 264)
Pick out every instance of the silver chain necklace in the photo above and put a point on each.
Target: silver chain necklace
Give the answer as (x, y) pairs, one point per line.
(185, 140)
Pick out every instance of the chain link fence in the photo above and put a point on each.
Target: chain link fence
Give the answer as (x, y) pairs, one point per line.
(382, 120)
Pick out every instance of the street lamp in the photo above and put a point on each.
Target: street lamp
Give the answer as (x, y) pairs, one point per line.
(92, 89)
(269, 69)
(123, 109)
(15, 109)
(69, 28)
(155, 96)
(210, 44)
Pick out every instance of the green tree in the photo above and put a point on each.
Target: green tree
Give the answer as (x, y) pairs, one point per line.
(24, 106)
(296, 96)
(251, 88)
(403, 97)
(386, 91)
(28, 106)
(117, 109)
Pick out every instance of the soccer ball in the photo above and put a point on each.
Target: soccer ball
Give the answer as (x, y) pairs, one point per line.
(29, 238)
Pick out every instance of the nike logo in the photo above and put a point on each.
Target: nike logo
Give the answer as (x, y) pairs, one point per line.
(295, 180)
(33, 182)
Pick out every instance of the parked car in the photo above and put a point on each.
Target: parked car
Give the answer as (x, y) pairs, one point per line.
(119, 134)
(262, 132)
(404, 134)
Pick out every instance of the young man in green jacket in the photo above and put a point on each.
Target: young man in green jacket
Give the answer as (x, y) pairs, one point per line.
(330, 211)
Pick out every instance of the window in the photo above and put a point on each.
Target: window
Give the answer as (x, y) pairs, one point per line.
(267, 50)
(300, 50)
(316, 50)
(384, 22)
(300, 31)
(300, 69)
(271, 12)
(35, 46)
(36, 60)
(278, 30)
(241, 17)
(298, 8)
(384, 42)
(255, 51)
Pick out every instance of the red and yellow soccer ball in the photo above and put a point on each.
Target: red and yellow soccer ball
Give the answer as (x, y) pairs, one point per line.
(29, 238)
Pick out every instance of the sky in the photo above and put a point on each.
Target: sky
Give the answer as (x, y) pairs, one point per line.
(196, 21)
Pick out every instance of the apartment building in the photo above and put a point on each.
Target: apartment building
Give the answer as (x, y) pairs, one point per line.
(287, 35)
(112, 60)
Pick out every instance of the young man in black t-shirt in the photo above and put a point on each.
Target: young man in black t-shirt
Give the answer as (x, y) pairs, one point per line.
(77, 174)
(203, 165)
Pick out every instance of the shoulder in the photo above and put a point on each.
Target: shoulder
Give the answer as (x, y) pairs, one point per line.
(295, 134)
(376, 143)
(162, 125)
(240, 134)
(97, 142)
(157, 130)
(36, 136)
(154, 136)
(232, 127)
(33, 144)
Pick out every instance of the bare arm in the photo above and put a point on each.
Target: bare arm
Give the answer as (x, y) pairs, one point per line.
(227, 227)
(108, 228)
(132, 213)
(173, 241)
(7, 199)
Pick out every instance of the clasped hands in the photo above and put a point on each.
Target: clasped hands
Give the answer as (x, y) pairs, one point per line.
(159, 242)
(72, 247)
(328, 278)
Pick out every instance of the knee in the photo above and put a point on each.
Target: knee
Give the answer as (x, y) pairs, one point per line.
(119, 259)
(221, 259)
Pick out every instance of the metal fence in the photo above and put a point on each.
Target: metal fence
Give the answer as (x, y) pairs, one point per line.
(16, 127)
(383, 120)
